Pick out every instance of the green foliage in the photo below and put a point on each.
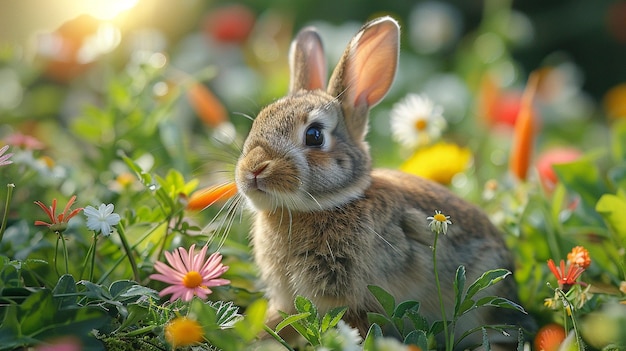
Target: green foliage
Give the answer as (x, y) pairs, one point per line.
(404, 318)
(128, 115)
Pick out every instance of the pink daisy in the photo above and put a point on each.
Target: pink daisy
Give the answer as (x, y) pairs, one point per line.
(190, 274)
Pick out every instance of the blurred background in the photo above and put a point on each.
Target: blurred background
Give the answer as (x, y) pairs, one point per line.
(86, 67)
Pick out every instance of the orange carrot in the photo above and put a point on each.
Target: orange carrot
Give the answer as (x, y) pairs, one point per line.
(206, 197)
(523, 136)
(207, 105)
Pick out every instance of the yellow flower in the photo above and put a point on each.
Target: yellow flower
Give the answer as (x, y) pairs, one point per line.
(182, 331)
(439, 162)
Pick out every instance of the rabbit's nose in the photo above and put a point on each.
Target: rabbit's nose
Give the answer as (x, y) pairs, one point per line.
(259, 169)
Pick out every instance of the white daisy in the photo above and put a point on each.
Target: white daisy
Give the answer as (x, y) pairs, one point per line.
(416, 121)
(439, 223)
(102, 219)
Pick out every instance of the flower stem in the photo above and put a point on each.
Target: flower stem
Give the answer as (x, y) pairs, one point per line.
(119, 260)
(129, 251)
(87, 256)
(568, 304)
(277, 337)
(93, 256)
(65, 254)
(6, 210)
(448, 338)
(56, 254)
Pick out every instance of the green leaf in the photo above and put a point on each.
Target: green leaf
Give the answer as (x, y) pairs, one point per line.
(612, 208)
(375, 332)
(582, 177)
(332, 317)
(378, 318)
(10, 277)
(459, 285)
(292, 319)
(467, 305)
(618, 142)
(136, 313)
(496, 301)
(304, 305)
(418, 338)
(419, 321)
(66, 286)
(486, 280)
(253, 321)
(403, 308)
(226, 312)
(384, 298)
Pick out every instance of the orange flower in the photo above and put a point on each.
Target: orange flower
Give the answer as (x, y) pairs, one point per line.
(523, 136)
(579, 256)
(183, 331)
(207, 105)
(614, 101)
(58, 224)
(549, 337)
(206, 197)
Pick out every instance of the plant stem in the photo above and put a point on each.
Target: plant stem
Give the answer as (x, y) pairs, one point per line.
(65, 255)
(56, 254)
(87, 256)
(566, 304)
(277, 337)
(448, 338)
(129, 251)
(93, 256)
(119, 260)
(6, 210)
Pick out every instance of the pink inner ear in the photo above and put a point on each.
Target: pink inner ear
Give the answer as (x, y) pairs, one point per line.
(372, 66)
(317, 70)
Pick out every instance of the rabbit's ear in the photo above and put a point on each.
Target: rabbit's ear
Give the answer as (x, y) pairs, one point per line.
(307, 62)
(366, 70)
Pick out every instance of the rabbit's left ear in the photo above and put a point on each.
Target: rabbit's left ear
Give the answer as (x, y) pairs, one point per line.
(307, 62)
(366, 70)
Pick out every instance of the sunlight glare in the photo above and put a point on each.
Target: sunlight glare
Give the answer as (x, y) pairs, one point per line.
(105, 9)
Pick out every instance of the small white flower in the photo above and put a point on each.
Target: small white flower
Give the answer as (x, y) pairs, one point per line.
(416, 121)
(102, 219)
(439, 223)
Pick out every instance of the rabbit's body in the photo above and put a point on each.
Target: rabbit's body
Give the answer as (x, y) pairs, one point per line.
(349, 247)
(327, 226)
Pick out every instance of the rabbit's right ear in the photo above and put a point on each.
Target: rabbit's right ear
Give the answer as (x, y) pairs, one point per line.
(307, 63)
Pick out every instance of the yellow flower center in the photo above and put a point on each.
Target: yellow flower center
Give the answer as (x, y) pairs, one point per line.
(421, 124)
(192, 280)
(439, 217)
(183, 332)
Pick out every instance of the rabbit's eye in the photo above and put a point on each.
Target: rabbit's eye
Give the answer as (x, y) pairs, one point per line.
(314, 136)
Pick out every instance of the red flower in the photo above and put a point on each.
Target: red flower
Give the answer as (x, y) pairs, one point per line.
(58, 223)
(230, 24)
(552, 157)
(566, 278)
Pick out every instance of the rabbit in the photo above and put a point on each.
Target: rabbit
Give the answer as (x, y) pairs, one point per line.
(326, 225)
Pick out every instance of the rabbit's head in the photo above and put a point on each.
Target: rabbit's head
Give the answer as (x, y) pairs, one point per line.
(307, 151)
